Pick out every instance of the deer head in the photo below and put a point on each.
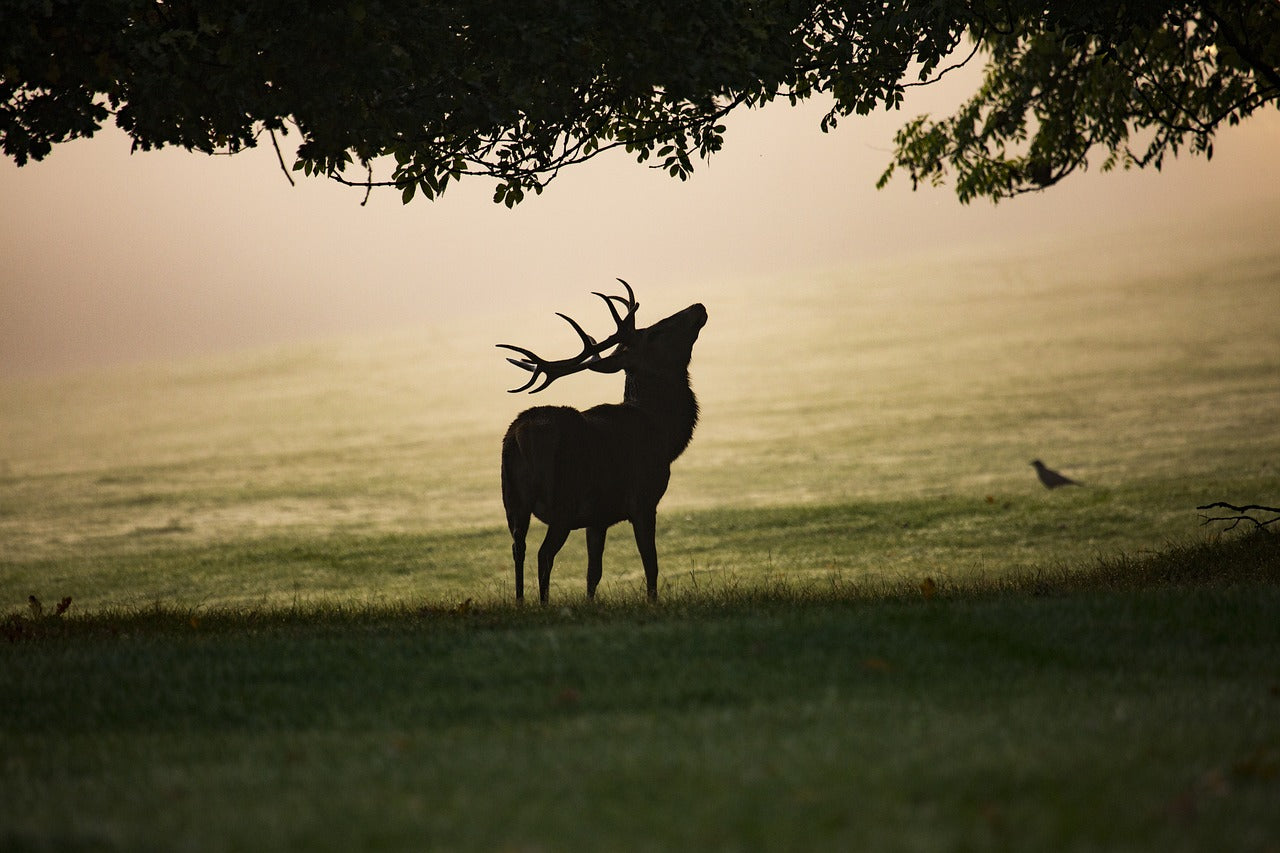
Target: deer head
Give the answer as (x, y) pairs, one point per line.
(662, 347)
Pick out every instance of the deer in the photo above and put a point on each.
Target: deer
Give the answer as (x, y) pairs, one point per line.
(594, 468)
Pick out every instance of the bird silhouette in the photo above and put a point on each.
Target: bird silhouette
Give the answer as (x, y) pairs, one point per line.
(1051, 478)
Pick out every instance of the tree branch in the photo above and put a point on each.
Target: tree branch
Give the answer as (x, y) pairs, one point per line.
(1243, 514)
(977, 44)
(1240, 43)
(280, 157)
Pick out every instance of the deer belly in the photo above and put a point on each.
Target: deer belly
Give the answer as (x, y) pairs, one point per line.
(593, 502)
(582, 510)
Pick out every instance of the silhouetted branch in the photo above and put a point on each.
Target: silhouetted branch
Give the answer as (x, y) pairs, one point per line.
(276, 145)
(1243, 514)
(977, 45)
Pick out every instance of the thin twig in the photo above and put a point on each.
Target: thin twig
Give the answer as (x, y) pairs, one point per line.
(280, 157)
(961, 64)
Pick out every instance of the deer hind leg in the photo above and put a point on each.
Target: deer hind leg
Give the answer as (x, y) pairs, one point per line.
(517, 503)
(551, 545)
(645, 527)
(518, 533)
(518, 512)
(595, 558)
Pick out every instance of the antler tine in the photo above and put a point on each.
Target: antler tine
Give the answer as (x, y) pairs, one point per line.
(631, 295)
(548, 379)
(525, 386)
(608, 300)
(532, 379)
(589, 358)
(550, 371)
(629, 301)
(530, 362)
(588, 342)
(529, 357)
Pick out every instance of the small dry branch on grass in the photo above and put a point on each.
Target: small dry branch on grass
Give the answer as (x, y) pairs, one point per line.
(1242, 513)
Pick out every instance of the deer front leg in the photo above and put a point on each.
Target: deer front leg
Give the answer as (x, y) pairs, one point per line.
(645, 527)
(551, 546)
(595, 558)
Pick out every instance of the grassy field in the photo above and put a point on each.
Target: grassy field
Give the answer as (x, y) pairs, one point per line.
(1132, 706)
(880, 421)
(291, 624)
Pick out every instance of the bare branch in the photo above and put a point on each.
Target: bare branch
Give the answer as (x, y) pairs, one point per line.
(1243, 514)
(280, 157)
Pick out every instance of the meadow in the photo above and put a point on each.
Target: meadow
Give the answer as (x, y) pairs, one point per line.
(291, 623)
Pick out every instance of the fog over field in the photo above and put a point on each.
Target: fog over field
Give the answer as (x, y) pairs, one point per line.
(1140, 363)
(191, 349)
(111, 258)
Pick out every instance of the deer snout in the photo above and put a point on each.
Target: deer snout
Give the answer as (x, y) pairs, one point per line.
(697, 313)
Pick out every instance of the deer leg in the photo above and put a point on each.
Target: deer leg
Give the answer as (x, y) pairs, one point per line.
(517, 556)
(518, 506)
(595, 558)
(645, 528)
(551, 546)
(518, 524)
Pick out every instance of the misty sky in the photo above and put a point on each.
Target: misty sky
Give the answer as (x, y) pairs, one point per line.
(110, 257)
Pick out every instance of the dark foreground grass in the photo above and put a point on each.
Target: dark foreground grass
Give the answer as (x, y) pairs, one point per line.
(1133, 704)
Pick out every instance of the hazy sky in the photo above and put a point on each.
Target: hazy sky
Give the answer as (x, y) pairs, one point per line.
(108, 257)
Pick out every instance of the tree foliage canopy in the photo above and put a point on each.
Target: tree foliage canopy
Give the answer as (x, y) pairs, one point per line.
(416, 94)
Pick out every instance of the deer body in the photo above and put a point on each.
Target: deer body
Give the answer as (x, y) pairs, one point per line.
(591, 469)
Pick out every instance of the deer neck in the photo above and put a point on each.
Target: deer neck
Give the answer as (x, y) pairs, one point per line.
(669, 400)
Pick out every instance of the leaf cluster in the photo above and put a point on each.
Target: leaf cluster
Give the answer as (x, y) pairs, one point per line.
(417, 94)
(436, 90)
(1134, 82)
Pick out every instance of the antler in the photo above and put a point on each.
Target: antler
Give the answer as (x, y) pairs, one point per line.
(589, 358)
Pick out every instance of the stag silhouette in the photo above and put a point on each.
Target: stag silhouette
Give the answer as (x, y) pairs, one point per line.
(610, 463)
